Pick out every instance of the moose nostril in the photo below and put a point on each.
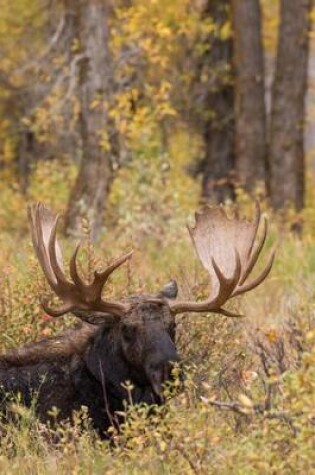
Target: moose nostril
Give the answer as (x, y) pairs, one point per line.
(160, 371)
(161, 368)
(154, 367)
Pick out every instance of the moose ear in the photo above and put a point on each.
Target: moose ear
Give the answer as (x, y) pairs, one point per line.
(170, 290)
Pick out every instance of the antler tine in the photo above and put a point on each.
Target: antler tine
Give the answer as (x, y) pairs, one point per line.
(216, 239)
(226, 285)
(55, 312)
(254, 254)
(74, 273)
(225, 288)
(78, 297)
(60, 276)
(228, 313)
(255, 228)
(100, 278)
(34, 213)
(262, 276)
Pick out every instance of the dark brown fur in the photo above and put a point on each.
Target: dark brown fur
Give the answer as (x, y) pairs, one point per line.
(70, 342)
(87, 366)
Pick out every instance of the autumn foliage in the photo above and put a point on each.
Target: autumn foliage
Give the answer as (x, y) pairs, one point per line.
(247, 405)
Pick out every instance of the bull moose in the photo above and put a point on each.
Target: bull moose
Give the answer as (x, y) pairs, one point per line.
(131, 339)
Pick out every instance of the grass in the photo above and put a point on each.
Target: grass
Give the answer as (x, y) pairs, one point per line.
(249, 396)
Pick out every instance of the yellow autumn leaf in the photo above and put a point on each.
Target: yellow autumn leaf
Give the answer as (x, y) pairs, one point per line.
(271, 335)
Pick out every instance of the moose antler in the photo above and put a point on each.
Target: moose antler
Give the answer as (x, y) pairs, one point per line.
(77, 296)
(226, 250)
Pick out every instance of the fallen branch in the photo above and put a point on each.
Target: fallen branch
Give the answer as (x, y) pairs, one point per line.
(257, 409)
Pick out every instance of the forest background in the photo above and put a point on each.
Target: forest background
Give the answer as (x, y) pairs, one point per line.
(127, 114)
(106, 91)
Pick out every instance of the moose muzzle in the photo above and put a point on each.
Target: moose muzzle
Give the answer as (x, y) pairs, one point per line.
(159, 366)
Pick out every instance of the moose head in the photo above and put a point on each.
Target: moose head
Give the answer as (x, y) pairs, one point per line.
(136, 336)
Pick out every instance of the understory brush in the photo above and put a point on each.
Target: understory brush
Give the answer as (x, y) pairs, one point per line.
(247, 404)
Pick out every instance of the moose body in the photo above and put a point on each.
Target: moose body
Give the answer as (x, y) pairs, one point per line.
(88, 366)
(131, 340)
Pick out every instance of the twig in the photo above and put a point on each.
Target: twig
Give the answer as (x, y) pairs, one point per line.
(72, 82)
(51, 45)
(109, 414)
(257, 410)
(230, 406)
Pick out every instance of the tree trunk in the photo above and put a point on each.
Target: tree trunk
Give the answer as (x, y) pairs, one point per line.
(286, 153)
(89, 195)
(249, 90)
(26, 155)
(217, 166)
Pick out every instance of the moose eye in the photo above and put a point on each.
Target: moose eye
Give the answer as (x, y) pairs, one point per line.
(129, 333)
